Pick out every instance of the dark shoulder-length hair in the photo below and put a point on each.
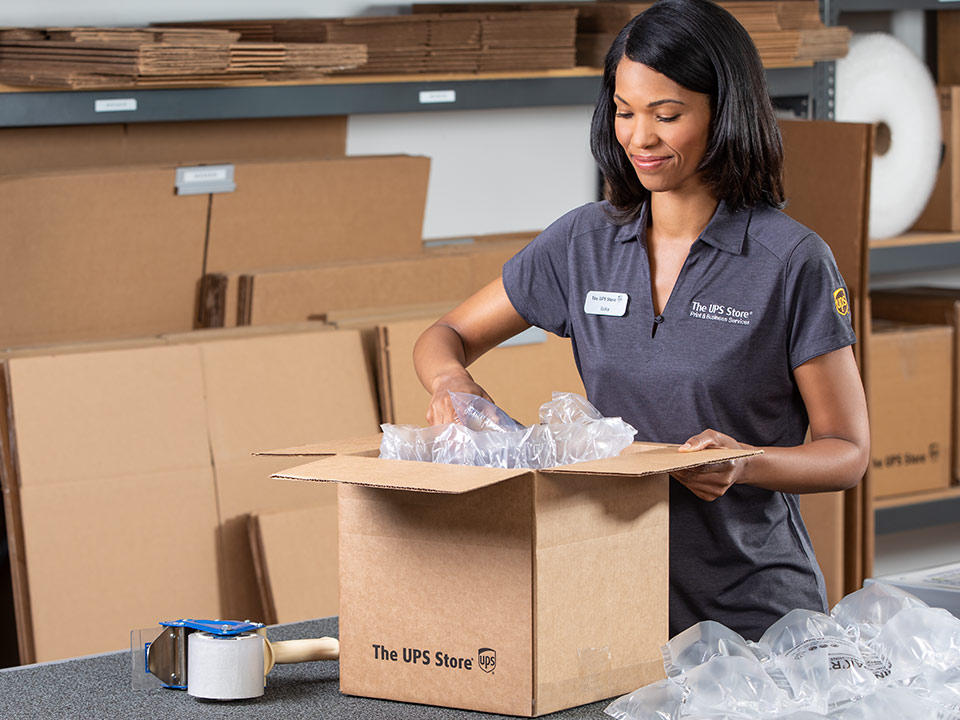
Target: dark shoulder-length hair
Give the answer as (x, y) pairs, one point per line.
(700, 46)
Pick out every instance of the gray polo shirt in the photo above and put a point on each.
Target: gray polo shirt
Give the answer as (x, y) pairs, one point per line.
(758, 295)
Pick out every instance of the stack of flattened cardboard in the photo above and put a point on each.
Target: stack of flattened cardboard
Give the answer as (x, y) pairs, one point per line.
(128, 476)
(429, 276)
(787, 33)
(530, 39)
(140, 57)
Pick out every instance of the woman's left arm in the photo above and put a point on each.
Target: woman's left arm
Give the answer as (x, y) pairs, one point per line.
(836, 456)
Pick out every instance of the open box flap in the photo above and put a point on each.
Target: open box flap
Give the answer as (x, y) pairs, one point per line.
(400, 474)
(649, 459)
(351, 446)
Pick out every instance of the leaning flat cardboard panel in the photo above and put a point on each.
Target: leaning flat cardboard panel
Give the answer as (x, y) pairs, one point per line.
(297, 214)
(943, 209)
(116, 494)
(505, 586)
(827, 183)
(53, 149)
(291, 296)
(298, 581)
(520, 375)
(910, 430)
(823, 516)
(273, 390)
(96, 255)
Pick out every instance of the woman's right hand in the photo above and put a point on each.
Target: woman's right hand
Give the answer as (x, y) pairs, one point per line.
(440, 411)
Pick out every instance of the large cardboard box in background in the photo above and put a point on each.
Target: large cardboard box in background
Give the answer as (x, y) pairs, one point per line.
(910, 408)
(928, 306)
(502, 590)
(943, 209)
(309, 212)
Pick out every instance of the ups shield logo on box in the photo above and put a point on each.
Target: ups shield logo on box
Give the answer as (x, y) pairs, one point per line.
(487, 659)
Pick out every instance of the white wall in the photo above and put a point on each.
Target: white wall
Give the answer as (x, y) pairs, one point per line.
(491, 171)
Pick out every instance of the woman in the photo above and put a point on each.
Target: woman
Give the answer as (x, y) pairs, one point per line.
(722, 322)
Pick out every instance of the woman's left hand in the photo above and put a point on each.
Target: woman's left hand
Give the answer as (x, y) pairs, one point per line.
(708, 482)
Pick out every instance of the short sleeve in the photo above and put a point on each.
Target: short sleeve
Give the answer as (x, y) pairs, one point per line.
(537, 279)
(818, 307)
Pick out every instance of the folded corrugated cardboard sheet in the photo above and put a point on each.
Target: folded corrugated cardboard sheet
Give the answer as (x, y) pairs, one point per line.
(128, 475)
(827, 182)
(503, 590)
(101, 246)
(447, 274)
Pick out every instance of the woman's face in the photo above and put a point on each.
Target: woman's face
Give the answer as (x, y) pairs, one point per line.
(662, 126)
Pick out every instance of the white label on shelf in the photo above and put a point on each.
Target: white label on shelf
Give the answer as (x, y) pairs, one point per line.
(437, 96)
(210, 174)
(115, 105)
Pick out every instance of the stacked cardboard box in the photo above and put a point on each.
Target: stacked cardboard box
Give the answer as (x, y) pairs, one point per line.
(925, 306)
(787, 33)
(532, 39)
(910, 408)
(79, 58)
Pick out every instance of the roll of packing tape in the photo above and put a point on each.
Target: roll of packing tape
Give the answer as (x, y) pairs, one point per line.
(882, 81)
(224, 668)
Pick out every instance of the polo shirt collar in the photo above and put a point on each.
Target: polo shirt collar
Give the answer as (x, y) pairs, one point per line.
(725, 231)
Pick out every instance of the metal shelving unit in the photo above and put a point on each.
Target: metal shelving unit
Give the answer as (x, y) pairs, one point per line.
(331, 97)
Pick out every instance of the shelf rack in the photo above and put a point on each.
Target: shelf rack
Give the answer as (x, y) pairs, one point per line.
(332, 96)
(908, 512)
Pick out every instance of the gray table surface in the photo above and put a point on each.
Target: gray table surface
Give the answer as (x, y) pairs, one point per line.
(98, 686)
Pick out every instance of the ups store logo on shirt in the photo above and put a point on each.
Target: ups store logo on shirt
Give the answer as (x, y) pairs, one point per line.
(840, 301)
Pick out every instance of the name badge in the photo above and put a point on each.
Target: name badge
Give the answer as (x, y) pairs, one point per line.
(601, 302)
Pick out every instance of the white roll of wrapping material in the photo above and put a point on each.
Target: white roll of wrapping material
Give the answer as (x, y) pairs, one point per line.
(224, 668)
(882, 81)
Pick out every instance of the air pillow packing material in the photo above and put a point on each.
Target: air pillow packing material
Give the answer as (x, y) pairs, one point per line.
(882, 81)
(881, 654)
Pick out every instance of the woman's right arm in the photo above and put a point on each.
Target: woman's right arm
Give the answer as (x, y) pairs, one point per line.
(447, 347)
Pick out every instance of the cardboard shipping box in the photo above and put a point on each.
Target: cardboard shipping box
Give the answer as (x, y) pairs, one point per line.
(910, 408)
(503, 590)
(943, 209)
(928, 306)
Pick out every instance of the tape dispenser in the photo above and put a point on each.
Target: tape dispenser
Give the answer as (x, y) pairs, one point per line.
(216, 659)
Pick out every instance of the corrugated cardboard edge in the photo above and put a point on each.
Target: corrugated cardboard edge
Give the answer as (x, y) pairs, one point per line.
(211, 301)
(534, 594)
(385, 382)
(261, 570)
(10, 483)
(245, 300)
(861, 496)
